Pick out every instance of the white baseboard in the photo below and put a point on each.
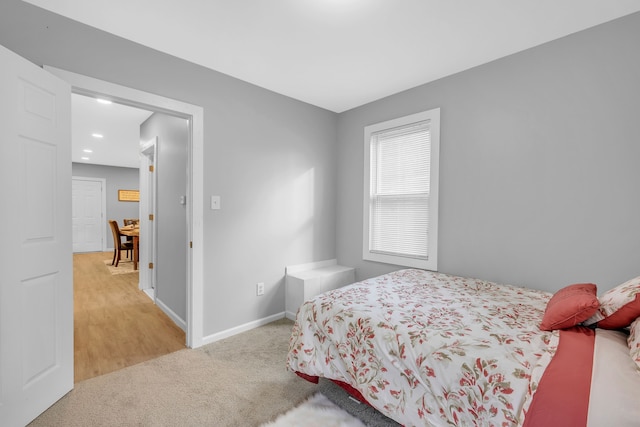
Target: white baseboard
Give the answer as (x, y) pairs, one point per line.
(176, 319)
(289, 315)
(241, 328)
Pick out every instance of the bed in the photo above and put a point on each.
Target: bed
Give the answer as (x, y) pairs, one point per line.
(427, 348)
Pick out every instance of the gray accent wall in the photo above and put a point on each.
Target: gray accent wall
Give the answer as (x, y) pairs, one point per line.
(116, 178)
(171, 215)
(539, 176)
(269, 157)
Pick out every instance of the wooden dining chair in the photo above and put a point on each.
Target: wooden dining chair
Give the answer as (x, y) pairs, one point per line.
(130, 221)
(118, 244)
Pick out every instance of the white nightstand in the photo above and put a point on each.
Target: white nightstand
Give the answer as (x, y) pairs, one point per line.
(305, 281)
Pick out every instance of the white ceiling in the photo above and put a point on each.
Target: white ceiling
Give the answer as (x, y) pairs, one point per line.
(118, 124)
(340, 54)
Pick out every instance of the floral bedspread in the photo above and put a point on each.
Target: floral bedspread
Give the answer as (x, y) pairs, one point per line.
(427, 348)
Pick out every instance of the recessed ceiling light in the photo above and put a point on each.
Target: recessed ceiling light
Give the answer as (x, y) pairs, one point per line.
(84, 158)
(86, 150)
(103, 101)
(97, 135)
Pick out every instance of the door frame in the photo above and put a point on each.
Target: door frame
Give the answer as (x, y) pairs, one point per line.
(89, 86)
(148, 203)
(103, 201)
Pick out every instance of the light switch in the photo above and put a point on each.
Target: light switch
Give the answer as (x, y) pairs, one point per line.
(215, 202)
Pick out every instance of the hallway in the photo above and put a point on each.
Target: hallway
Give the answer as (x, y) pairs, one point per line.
(115, 324)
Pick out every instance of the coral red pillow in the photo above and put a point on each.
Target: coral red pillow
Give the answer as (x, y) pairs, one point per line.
(618, 306)
(569, 306)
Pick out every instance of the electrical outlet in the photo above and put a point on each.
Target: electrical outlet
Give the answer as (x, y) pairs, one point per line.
(260, 289)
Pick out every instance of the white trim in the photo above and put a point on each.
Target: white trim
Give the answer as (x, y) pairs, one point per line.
(176, 319)
(432, 263)
(289, 315)
(103, 181)
(241, 328)
(148, 185)
(195, 201)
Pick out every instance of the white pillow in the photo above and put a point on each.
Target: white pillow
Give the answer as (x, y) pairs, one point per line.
(618, 306)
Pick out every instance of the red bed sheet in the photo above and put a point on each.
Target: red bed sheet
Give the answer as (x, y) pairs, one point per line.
(562, 398)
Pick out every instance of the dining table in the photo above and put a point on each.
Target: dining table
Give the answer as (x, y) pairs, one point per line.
(133, 231)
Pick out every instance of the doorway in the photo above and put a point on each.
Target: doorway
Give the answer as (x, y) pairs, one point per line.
(195, 182)
(115, 325)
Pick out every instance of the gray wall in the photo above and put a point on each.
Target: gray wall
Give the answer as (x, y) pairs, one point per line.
(538, 170)
(117, 178)
(539, 164)
(270, 158)
(171, 216)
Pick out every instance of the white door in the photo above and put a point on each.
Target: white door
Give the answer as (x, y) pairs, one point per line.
(87, 214)
(36, 284)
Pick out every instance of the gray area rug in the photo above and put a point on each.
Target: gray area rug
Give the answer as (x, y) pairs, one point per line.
(365, 413)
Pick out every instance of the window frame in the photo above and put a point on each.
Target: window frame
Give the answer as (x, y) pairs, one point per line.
(431, 263)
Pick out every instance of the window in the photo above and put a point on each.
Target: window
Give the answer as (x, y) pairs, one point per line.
(401, 191)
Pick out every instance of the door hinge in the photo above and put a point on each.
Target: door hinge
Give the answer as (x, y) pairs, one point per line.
(150, 266)
(150, 217)
(190, 244)
(151, 168)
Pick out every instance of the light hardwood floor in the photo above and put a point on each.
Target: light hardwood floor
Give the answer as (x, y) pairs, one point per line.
(116, 325)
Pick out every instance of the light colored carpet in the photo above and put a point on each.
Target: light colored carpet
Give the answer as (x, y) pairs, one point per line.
(317, 411)
(238, 381)
(125, 266)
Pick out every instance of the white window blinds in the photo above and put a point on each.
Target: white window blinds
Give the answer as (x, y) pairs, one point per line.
(399, 190)
(401, 186)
